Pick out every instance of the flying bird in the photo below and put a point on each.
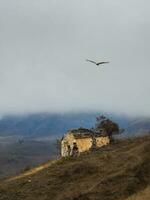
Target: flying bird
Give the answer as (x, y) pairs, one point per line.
(97, 63)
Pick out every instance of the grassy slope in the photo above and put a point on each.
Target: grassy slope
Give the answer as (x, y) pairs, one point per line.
(142, 195)
(117, 172)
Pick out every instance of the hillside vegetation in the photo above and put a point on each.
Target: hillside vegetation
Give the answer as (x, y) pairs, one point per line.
(16, 156)
(120, 171)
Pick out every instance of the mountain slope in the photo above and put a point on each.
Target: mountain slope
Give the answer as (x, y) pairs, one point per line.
(139, 126)
(115, 172)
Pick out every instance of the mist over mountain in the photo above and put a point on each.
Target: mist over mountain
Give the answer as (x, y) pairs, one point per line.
(45, 44)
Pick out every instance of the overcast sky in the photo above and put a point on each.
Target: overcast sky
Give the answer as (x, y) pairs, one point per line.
(44, 45)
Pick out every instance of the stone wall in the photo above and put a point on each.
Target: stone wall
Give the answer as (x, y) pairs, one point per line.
(68, 140)
(83, 144)
(102, 141)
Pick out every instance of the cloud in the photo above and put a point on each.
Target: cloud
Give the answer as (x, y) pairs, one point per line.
(43, 49)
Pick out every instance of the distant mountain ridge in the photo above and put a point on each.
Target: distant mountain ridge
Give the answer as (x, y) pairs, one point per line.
(55, 125)
(51, 124)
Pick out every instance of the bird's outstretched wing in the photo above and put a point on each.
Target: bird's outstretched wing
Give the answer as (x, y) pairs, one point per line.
(92, 61)
(100, 63)
(97, 63)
